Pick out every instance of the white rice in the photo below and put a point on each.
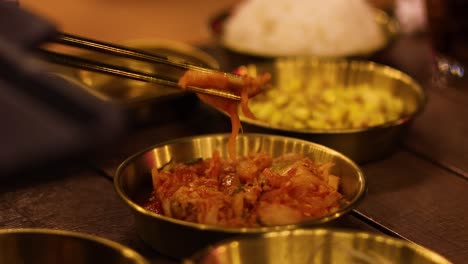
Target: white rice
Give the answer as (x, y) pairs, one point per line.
(328, 28)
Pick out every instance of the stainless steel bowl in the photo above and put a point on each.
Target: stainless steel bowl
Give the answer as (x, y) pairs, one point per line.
(308, 246)
(179, 238)
(144, 102)
(46, 246)
(360, 144)
(128, 91)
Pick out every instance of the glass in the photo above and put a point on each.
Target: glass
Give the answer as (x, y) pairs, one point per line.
(448, 26)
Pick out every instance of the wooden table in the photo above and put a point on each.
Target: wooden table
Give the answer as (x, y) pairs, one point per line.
(419, 193)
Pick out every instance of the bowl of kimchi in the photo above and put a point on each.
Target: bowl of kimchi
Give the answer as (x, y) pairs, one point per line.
(188, 193)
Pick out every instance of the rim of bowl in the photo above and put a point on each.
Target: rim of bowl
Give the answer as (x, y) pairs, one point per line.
(421, 250)
(361, 64)
(123, 250)
(173, 45)
(251, 230)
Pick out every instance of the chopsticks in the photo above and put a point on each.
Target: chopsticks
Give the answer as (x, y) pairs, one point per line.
(134, 54)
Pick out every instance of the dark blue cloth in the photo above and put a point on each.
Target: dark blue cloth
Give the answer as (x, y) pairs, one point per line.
(46, 120)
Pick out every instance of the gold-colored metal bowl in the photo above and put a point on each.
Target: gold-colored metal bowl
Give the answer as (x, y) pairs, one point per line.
(360, 144)
(308, 246)
(47, 246)
(178, 238)
(143, 101)
(128, 91)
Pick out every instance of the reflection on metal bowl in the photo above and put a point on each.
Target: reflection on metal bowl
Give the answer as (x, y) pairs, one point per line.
(46, 246)
(180, 238)
(144, 101)
(305, 246)
(361, 144)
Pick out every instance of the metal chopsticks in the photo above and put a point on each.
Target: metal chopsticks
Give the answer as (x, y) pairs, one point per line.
(135, 54)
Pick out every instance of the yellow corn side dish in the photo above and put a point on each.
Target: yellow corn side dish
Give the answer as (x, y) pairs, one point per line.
(322, 104)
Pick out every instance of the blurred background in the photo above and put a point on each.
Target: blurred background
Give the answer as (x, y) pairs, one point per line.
(180, 20)
(116, 20)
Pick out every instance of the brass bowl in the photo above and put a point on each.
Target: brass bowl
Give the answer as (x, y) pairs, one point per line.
(360, 144)
(47, 246)
(180, 238)
(130, 91)
(303, 246)
(144, 102)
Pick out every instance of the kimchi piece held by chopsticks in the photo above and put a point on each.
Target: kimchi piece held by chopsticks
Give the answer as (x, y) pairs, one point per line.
(248, 87)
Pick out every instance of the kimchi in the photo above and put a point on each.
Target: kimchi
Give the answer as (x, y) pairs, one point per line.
(251, 191)
(247, 87)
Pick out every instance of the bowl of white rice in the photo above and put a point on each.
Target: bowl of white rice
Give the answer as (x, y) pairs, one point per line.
(333, 28)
